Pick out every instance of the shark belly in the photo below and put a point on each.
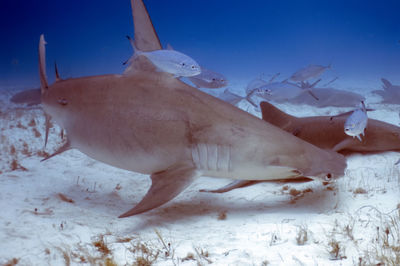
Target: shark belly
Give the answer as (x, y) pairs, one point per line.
(232, 161)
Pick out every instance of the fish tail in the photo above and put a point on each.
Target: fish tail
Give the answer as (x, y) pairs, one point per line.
(249, 99)
(42, 65)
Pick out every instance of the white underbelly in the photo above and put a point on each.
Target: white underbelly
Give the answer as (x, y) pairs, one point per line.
(224, 161)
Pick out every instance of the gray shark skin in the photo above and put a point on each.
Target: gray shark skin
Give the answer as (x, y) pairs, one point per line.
(152, 123)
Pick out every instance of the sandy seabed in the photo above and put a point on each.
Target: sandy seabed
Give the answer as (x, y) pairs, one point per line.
(63, 211)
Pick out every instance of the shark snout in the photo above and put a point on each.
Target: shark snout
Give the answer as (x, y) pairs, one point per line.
(330, 167)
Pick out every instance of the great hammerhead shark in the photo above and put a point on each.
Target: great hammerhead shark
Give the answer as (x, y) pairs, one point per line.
(150, 122)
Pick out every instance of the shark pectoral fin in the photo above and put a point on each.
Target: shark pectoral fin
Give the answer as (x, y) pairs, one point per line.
(63, 148)
(231, 186)
(165, 186)
(343, 144)
(359, 138)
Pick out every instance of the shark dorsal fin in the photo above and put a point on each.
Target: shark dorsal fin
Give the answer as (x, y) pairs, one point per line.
(145, 39)
(273, 115)
(44, 85)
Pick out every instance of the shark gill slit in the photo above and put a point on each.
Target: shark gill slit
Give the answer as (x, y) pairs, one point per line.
(211, 157)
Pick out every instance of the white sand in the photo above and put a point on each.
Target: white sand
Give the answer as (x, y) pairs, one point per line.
(38, 227)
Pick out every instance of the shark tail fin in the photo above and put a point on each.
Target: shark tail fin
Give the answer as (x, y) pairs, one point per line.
(273, 115)
(44, 85)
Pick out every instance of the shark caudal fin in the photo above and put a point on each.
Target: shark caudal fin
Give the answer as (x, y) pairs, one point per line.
(273, 115)
(44, 85)
(165, 186)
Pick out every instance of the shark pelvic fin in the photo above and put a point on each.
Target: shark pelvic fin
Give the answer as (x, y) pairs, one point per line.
(165, 186)
(63, 148)
(42, 65)
(231, 186)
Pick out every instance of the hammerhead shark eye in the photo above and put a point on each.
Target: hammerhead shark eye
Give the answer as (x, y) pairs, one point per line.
(193, 67)
(63, 101)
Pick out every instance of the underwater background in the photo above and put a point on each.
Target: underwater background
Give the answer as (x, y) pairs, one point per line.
(240, 39)
(64, 211)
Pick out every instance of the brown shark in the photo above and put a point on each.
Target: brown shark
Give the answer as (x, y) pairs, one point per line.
(152, 123)
(326, 132)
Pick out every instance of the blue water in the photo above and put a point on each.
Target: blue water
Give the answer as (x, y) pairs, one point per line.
(241, 39)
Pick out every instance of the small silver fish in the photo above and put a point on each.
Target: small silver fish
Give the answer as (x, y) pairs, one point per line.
(255, 84)
(282, 91)
(356, 122)
(209, 79)
(170, 61)
(310, 71)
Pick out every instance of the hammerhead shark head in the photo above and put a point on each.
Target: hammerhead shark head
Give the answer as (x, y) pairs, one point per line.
(326, 132)
(149, 122)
